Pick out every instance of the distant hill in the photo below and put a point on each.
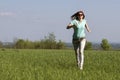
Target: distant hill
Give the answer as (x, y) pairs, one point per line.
(116, 46)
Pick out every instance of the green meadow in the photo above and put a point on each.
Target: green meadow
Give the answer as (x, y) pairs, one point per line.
(43, 64)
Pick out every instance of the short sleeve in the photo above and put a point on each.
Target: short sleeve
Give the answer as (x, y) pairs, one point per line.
(73, 22)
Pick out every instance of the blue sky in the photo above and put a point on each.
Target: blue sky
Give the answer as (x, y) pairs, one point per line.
(35, 19)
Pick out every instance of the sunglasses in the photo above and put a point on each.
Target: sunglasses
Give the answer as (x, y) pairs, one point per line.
(80, 14)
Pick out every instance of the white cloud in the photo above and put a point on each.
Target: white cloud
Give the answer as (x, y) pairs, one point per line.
(7, 14)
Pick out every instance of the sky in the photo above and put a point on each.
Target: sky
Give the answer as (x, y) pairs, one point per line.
(35, 19)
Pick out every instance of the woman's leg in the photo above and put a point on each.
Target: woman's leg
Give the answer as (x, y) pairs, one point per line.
(81, 51)
(77, 56)
(76, 49)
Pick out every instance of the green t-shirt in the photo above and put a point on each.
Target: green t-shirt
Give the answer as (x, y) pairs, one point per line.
(79, 28)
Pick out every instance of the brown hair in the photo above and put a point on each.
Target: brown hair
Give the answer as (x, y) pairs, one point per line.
(76, 15)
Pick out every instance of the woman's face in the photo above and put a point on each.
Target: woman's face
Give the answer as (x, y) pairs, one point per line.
(81, 15)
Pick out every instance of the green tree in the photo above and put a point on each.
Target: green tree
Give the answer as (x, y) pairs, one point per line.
(20, 43)
(51, 37)
(28, 44)
(50, 42)
(1, 44)
(88, 46)
(60, 45)
(105, 44)
(37, 44)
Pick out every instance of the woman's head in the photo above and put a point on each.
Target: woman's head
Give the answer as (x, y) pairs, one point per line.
(77, 15)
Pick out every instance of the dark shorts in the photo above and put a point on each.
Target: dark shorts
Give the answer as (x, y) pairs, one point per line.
(77, 42)
(74, 41)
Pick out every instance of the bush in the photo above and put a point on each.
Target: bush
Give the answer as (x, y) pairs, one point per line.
(88, 46)
(105, 44)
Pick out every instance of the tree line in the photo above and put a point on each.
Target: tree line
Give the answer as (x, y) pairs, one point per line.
(49, 42)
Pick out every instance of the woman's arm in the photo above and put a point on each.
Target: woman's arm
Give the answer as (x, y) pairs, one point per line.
(69, 26)
(88, 29)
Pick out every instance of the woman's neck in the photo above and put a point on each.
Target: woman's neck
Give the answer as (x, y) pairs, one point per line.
(80, 19)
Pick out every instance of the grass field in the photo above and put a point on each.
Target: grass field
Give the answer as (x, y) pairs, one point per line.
(58, 65)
